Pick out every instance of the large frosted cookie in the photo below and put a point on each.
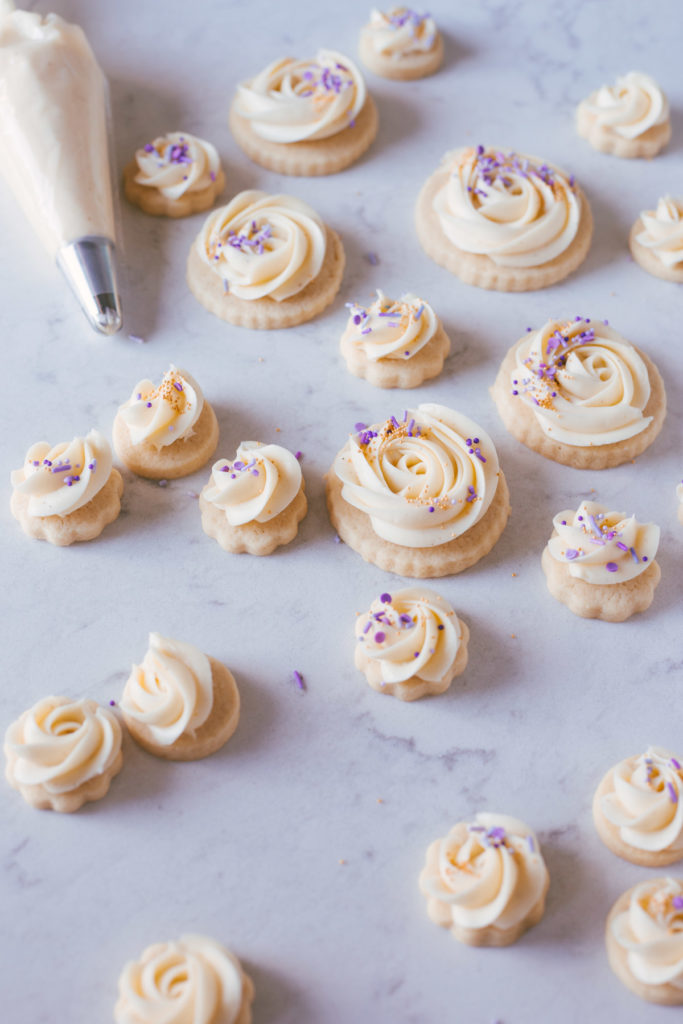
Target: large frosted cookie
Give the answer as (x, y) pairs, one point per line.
(486, 881)
(421, 496)
(627, 119)
(174, 176)
(401, 43)
(504, 221)
(265, 261)
(305, 117)
(579, 393)
(656, 240)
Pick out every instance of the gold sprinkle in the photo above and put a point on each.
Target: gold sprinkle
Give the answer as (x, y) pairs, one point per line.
(513, 636)
(514, 574)
(342, 861)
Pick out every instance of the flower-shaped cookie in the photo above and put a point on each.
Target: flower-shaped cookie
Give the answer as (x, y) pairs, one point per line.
(656, 240)
(401, 43)
(628, 119)
(174, 176)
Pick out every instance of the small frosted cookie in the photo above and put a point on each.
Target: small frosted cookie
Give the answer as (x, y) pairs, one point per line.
(638, 809)
(179, 703)
(62, 753)
(656, 240)
(305, 117)
(401, 44)
(167, 431)
(193, 979)
(67, 492)
(628, 119)
(579, 393)
(265, 261)
(486, 881)
(423, 496)
(394, 343)
(503, 220)
(174, 176)
(600, 563)
(411, 644)
(255, 503)
(644, 936)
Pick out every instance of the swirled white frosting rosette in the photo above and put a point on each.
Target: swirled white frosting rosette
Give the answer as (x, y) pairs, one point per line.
(579, 393)
(174, 175)
(62, 753)
(656, 240)
(644, 937)
(486, 880)
(401, 43)
(192, 980)
(503, 220)
(627, 119)
(422, 494)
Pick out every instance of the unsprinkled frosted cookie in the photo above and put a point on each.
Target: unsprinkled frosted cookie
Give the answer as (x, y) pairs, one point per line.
(644, 936)
(394, 343)
(305, 117)
(601, 563)
(175, 175)
(265, 261)
(628, 119)
(580, 394)
(411, 644)
(638, 809)
(179, 703)
(167, 431)
(656, 240)
(401, 43)
(193, 979)
(62, 753)
(255, 503)
(67, 492)
(503, 220)
(421, 496)
(486, 880)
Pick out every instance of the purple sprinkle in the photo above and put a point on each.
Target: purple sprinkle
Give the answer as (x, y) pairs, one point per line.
(612, 567)
(530, 843)
(360, 426)
(299, 679)
(634, 556)
(385, 598)
(137, 339)
(406, 619)
(380, 637)
(149, 148)
(368, 626)
(677, 902)
(431, 508)
(676, 764)
(177, 385)
(441, 626)
(366, 330)
(149, 405)
(112, 703)
(372, 258)
(417, 654)
(212, 175)
(673, 795)
(299, 456)
(238, 465)
(337, 539)
(571, 553)
(162, 483)
(226, 287)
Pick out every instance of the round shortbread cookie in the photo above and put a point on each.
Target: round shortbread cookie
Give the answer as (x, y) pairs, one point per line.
(398, 373)
(405, 67)
(153, 201)
(648, 260)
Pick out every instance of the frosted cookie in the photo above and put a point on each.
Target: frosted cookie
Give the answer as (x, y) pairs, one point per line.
(503, 220)
(62, 753)
(656, 240)
(166, 431)
(638, 809)
(265, 261)
(579, 393)
(411, 644)
(628, 119)
(174, 176)
(255, 503)
(423, 496)
(401, 44)
(179, 703)
(305, 117)
(644, 938)
(394, 343)
(67, 492)
(486, 881)
(600, 563)
(193, 979)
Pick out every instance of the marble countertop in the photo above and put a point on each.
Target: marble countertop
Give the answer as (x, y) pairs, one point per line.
(299, 844)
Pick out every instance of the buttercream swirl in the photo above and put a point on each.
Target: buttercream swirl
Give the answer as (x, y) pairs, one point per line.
(164, 414)
(584, 382)
(260, 482)
(390, 329)
(414, 633)
(60, 743)
(509, 207)
(191, 981)
(487, 872)
(171, 692)
(295, 100)
(603, 547)
(62, 478)
(400, 31)
(177, 163)
(424, 480)
(662, 233)
(634, 104)
(651, 930)
(647, 803)
(263, 245)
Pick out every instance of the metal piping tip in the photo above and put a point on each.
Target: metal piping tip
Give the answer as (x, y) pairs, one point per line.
(89, 267)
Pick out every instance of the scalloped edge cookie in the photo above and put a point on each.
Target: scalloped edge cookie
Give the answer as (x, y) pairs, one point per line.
(645, 146)
(647, 259)
(609, 833)
(254, 538)
(414, 688)
(150, 200)
(614, 602)
(85, 523)
(399, 373)
(665, 995)
(184, 456)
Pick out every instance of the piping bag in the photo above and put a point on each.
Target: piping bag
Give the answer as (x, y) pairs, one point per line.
(53, 138)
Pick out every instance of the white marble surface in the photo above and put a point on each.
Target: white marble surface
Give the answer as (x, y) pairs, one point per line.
(300, 843)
